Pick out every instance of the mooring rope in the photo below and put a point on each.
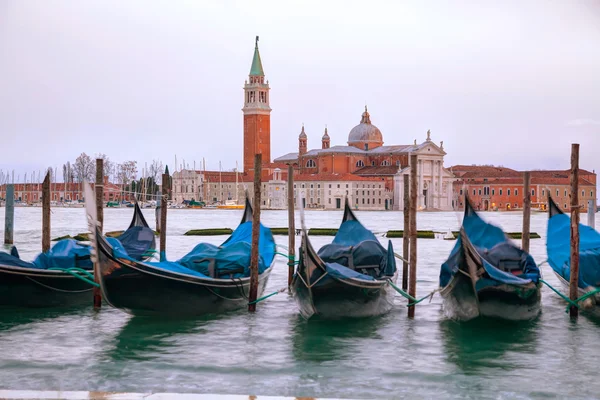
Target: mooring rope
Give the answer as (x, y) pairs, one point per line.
(267, 296)
(398, 256)
(87, 276)
(413, 300)
(574, 303)
(291, 259)
(542, 263)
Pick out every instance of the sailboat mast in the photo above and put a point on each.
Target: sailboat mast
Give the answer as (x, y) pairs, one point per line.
(205, 198)
(220, 184)
(237, 200)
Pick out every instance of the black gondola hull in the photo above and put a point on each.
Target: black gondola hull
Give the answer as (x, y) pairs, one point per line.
(516, 303)
(332, 298)
(467, 296)
(27, 287)
(141, 289)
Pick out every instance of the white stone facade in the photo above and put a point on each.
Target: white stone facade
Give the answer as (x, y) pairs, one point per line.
(434, 181)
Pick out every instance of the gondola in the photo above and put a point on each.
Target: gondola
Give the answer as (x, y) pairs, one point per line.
(346, 278)
(46, 282)
(208, 280)
(487, 275)
(558, 247)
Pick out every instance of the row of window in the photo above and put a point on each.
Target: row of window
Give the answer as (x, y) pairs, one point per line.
(486, 192)
(338, 186)
(360, 163)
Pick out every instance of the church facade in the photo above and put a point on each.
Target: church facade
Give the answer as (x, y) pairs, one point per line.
(365, 157)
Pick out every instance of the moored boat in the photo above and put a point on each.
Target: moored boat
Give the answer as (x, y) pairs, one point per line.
(558, 247)
(347, 278)
(207, 280)
(487, 275)
(50, 280)
(230, 205)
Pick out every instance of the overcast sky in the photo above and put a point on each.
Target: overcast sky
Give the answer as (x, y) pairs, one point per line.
(508, 83)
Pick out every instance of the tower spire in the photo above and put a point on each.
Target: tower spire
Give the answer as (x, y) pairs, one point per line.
(256, 69)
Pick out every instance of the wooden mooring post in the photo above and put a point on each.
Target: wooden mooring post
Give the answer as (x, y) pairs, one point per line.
(9, 214)
(157, 212)
(163, 215)
(406, 238)
(291, 225)
(526, 211)
(99, 189)
(574, 278)
(591, 214)
(412, 281)
(253, 293)
(46, 214)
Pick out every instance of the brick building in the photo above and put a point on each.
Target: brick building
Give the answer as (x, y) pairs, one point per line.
(31, 193)
(499, 188)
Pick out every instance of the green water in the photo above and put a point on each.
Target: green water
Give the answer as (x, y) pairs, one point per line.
(275, 352)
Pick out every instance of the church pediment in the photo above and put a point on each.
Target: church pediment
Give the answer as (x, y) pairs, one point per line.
(429, 148)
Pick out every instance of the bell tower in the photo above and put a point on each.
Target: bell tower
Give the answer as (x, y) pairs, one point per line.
(257, 114)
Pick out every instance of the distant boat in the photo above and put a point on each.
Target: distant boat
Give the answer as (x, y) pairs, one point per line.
(230, 205)
(487, 275)
(558, 247)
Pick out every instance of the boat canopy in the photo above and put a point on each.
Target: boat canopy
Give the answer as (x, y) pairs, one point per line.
(355, 252)
(558, 247)
(68, 253)
(229, 260)
(500, 256)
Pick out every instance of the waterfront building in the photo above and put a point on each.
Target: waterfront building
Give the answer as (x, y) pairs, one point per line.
(60, 192)
(499, 188)
(366, 157)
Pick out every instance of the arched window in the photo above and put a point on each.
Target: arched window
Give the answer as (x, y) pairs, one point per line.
(311, 164)
(360, 163)
(385, 163)
(373, 163)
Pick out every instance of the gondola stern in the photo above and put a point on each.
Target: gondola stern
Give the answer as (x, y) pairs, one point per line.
(553, 208)
(248, 211)
(348, 213)
(138, 218)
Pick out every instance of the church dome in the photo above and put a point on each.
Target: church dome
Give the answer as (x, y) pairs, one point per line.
(365, 135)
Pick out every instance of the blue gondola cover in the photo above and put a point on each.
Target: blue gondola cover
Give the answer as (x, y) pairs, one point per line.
(494, 247)
(559, 251)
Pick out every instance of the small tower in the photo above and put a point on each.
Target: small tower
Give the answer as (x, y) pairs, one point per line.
(302, 139)
(257, 114)
(325, 141)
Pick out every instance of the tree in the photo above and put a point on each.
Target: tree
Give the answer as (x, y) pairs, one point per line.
(84, 168)
(155, 171)
(126, 172)
(67, 173)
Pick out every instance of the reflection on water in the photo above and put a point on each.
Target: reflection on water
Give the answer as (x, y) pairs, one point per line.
(323, 340)
(21, 317)
(144, 338)
(484, 342)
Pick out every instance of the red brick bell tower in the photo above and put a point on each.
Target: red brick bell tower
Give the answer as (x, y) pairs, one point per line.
(257, 114)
